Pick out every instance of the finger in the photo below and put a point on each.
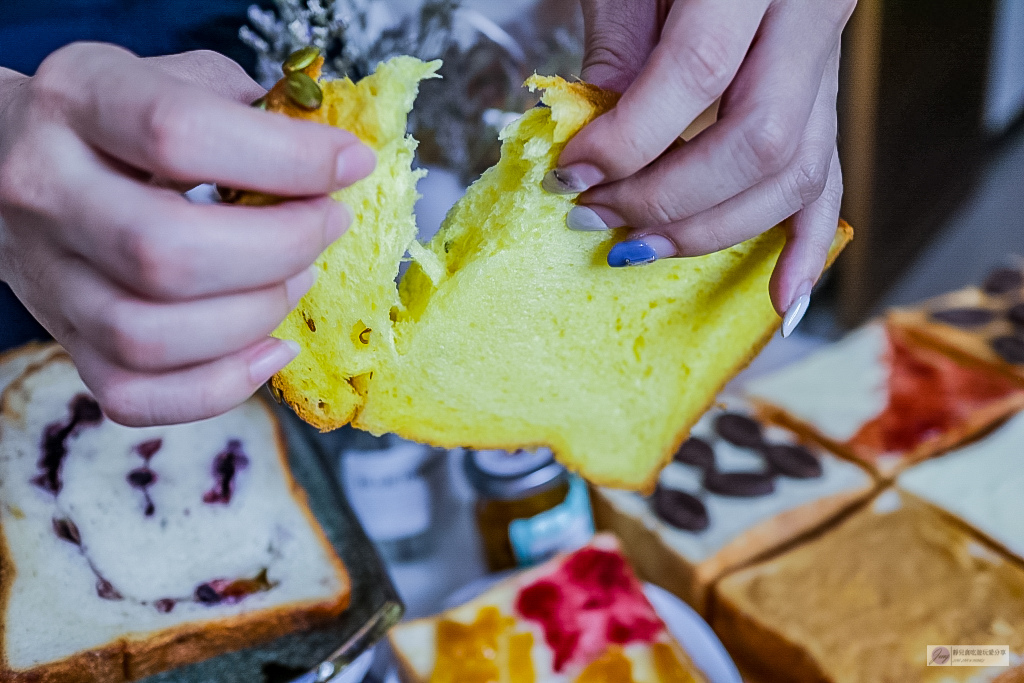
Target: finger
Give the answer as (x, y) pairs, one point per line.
(763, 118)
(138, 399)
(619, 36)
(752, 211)
(745, 216)
(211, 71)
(158, 244)
(151, 337)
(811, 232)
(136, 112)
(701, 48)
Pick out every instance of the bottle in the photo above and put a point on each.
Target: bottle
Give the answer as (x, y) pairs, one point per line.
(529, 507)
(387, 482)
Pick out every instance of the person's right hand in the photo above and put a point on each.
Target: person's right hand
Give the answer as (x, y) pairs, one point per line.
(165, 305)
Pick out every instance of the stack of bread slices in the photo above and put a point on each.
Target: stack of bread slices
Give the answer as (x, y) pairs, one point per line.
(846, 512)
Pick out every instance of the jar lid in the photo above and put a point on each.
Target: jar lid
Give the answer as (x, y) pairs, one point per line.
(506, 475)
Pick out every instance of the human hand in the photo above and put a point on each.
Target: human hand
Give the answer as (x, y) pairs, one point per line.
(165, 305)
(771, 154)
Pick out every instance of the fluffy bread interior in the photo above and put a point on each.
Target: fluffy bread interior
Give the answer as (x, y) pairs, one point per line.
(510, 330)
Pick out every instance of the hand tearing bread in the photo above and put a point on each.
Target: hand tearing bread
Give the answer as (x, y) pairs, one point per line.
(509, 330)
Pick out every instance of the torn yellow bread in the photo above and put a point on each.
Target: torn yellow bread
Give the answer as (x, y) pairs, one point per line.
(510, 330)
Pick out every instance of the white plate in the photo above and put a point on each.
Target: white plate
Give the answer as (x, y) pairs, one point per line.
(694, 634)
(356, 671)
(685, 625)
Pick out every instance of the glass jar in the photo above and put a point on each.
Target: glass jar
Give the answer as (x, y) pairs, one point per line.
(388, 483)
(529, 506)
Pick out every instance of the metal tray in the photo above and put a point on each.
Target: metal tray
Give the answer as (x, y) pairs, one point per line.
(322, 654)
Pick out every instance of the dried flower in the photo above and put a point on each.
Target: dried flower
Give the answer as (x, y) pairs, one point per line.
(484, 65)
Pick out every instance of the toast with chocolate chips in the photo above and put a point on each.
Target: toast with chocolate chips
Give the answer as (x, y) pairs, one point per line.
(510, 330)
(983, 324)
(125, 552)
(735, 490)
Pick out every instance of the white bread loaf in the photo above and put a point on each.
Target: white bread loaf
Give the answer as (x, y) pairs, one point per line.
(129, 551)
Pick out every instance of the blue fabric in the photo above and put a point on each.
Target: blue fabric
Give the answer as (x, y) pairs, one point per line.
(32, 29)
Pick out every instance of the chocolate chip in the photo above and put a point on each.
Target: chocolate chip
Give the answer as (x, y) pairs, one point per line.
(1003, 280)
(66, 530)
(680, 509)
(142, 477)
(739, 430)
(791, 460)
(1010, 349)
(85, 410)
(1016, 314)
(696, 451)
(106, 590)
(965, 317)
(207, 595)
(740, 484)
(164, 606)
(225, 466)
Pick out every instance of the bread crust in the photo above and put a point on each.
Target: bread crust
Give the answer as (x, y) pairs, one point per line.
(29, 350)
(129, 659)
(768, 651)
(794, 635)
(967, 346)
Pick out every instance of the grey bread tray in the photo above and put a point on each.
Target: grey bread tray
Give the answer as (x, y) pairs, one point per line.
(319, 655)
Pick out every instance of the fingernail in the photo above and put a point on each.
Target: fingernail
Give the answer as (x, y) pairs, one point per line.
(355, 162)
(339, 217)
(585, 219)
(572, 179)
(297, 286)
(797, 309)
(271, 356)
(637, 252)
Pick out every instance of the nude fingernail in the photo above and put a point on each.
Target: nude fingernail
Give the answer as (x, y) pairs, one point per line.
(355, 162)
(797, 309)
(586, 218)
(297, 286)
(271, 356)
(572, 179)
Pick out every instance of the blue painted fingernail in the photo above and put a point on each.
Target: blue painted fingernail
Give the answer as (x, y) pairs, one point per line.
(631, 253)
(640, 251)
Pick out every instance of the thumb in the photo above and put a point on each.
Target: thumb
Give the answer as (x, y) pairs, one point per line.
(210, 70)
(619, 36)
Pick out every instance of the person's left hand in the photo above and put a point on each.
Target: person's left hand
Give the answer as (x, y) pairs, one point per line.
(771, 154)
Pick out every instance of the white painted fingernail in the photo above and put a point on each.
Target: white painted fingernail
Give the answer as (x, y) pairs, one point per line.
(795, 314)
(585, 219)
(271, 357)
(296, 287)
